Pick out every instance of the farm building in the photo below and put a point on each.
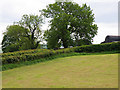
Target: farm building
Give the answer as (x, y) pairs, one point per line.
(111, 38)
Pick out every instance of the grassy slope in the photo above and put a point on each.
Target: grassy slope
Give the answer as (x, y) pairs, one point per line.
(91, 71)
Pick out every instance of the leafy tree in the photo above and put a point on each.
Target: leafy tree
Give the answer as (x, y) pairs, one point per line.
(70, 24)
(13, 39)
(33, 33)
(25, 35)
(52, 37)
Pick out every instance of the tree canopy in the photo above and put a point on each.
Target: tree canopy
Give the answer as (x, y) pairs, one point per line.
(32, 23)
(25, 34)
(70, 24)
(14, 39)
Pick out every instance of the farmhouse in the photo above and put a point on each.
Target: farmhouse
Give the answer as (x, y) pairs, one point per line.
(110, 38)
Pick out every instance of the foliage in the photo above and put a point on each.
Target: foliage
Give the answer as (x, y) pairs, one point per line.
(52, 39)
(25, 35)
(70, 24)
(14, 65)
(14, 39)
(29, 55)
(114, 46)
(32, 23)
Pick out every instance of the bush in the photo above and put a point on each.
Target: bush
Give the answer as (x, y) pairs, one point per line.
(17, 53)
(114, 46)
(28, 55)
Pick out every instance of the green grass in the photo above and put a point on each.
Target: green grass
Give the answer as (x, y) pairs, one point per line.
(89, 71)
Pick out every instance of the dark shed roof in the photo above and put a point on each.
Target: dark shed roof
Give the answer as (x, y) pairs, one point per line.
(111, 38)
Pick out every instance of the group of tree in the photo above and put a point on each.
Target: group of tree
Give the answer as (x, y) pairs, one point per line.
(70, 25)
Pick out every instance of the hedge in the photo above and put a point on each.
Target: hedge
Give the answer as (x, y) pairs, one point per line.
(114, 46)
(32, 56)
(28, 55)
(17, 53)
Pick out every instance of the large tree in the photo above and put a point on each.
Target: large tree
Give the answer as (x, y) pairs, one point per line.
(14, 39)
(70, 24)
(25, 34)
(32, 23)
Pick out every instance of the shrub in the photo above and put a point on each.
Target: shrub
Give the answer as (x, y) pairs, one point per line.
(28, 55)
(114, 46)
(17, 53)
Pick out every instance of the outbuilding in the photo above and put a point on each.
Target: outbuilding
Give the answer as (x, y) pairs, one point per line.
(110, 38)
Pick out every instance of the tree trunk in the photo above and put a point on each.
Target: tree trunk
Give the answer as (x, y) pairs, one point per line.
(65, 44)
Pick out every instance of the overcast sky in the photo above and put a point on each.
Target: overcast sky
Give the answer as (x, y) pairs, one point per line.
(106, 14)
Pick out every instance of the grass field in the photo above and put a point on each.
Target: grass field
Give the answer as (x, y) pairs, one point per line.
(90, 71)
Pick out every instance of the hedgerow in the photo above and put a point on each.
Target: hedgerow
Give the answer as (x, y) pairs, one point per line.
(17, 53)
(30, 55)
(114, 46)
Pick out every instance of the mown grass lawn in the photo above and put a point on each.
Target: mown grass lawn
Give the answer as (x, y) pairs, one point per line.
(90, 71)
